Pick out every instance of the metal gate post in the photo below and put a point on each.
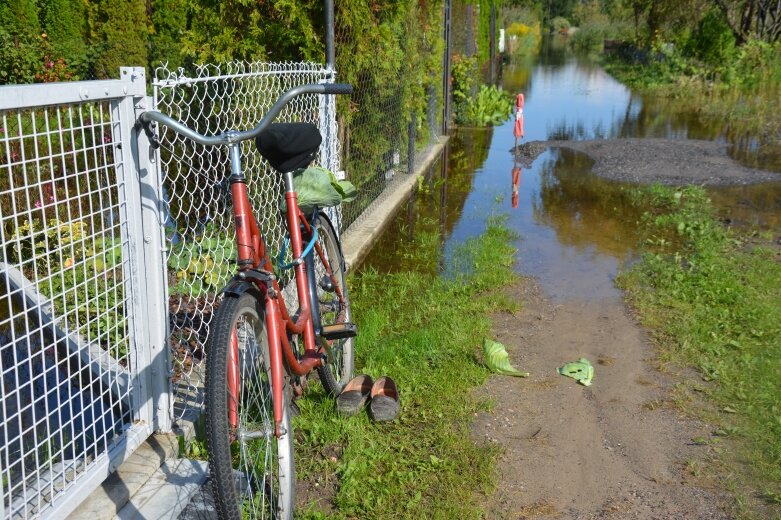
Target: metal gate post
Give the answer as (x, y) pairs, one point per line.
(132, 249)
(149, 309)
(153, 256)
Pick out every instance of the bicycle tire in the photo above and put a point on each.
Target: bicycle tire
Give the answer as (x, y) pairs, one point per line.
(252, 471)
(338, 370)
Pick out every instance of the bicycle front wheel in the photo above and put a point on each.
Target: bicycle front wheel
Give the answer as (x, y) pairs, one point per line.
(251, 470)
(332, 306)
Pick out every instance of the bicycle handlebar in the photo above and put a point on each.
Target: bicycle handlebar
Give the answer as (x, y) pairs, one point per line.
(231, 137)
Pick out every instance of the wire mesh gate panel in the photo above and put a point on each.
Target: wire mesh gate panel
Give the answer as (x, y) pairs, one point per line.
(197, 213)
(75, 378)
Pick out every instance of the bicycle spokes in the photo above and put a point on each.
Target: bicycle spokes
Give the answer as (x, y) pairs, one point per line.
(233, 381)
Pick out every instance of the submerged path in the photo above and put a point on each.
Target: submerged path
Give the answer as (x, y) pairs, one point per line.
(666, 161)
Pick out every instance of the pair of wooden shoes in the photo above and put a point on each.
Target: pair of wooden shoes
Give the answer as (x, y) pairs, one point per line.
(382, 396)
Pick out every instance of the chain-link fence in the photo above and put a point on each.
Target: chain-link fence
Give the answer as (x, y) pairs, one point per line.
(198, 217)
(395, 112)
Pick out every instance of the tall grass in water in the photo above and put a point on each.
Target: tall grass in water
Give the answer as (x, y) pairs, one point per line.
(742, 88)
(423, 330)
(712, 298)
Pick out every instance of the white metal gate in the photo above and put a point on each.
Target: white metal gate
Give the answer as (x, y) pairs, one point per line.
(83, 353)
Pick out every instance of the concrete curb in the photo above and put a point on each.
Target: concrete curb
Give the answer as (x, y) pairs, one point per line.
(359, 238)
(118, 489)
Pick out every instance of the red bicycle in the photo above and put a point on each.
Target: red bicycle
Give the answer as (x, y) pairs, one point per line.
(254, 357)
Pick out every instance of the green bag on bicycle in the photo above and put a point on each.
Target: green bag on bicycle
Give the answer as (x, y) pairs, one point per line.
(319, 187)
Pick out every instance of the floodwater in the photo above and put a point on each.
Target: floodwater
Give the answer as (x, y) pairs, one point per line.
(576, 230)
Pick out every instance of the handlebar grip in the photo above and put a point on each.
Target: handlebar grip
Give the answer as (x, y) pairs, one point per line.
(337, 88)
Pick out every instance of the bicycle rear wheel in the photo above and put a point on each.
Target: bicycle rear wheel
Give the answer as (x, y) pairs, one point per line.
(332, 305)
(251, 470)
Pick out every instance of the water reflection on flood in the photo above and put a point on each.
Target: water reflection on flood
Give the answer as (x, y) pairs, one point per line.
(576, 230)
(572, 97)
(756, 206)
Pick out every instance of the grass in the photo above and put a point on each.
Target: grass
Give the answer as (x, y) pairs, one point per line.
(740, 109)
(423, 329)
(712, 298)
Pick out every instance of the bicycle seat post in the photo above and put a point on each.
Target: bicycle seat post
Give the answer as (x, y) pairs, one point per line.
(250, 247)
(235, 154)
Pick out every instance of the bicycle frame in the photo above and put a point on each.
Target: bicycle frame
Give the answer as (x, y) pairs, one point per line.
(252, 255)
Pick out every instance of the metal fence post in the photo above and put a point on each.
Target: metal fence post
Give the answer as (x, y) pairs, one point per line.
(446, 67)
(328, 113)
(149, 309)
(411, 144)
(155, 306)
(330, 56)
(133, 276)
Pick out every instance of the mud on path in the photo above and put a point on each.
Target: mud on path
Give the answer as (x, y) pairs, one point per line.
(609, 451)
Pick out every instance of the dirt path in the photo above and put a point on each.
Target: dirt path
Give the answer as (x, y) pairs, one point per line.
(607, 451)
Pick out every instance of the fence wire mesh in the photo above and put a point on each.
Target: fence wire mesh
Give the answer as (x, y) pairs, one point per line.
(394, 113)
(65, 350)
(199, 218)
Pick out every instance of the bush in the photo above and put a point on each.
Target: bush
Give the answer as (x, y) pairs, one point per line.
(26, 58)
(20, 58)
(560, 24)
(712, 41)
(759, 63)
(463, 77)
(593, 34)
(124, 34)
(524, 39)
(491, 107)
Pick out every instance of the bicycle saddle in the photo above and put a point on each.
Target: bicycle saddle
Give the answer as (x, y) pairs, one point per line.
(289, 146)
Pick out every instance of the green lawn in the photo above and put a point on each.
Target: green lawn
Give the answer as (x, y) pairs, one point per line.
(712, 299)
(422, 329)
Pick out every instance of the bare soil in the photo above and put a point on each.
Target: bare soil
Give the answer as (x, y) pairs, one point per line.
(666, 161)
(615, 450)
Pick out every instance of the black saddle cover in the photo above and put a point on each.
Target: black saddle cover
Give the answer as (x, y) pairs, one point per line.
(289, 146)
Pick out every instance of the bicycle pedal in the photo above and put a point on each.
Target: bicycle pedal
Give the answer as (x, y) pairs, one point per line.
(339, 331)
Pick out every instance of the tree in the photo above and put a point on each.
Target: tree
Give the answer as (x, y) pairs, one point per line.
(122, 32)
(64, 22)
(274, 30)
(753, 18)
(19, 17)
(20, 41)
(169, 22)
